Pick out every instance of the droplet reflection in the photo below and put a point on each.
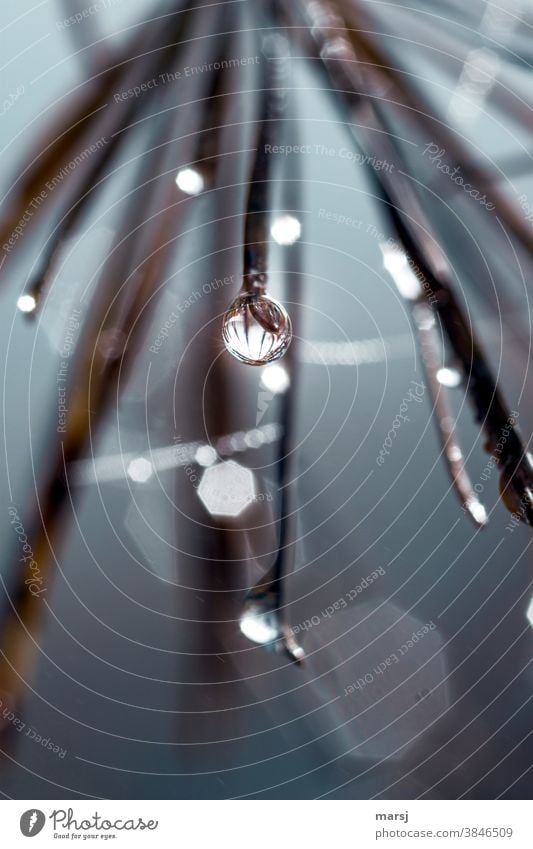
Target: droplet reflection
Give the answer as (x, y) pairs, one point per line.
(262, 623)
(449, 377)
(516, 493)
(256, 329)
(259, 626)
(190, 181)
(275, 378)
(286, 230)
(26, 303)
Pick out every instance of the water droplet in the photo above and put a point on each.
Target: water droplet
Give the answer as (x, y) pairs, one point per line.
(260, 626)
(26, 303)
(449, 377)
(190, 181)
(286, 230)
(276, 379)
(256, 329)
(477, 511)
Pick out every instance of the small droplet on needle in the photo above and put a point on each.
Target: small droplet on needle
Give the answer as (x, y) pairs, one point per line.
(26, 303)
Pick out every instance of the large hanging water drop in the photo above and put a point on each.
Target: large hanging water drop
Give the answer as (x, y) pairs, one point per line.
(262, 623)
(256, 329)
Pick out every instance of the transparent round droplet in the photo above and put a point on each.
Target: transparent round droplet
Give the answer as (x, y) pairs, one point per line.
(27, 303)
(275, 379)
(256, 329)
(190, 181)
(260, 624)
(450, 377)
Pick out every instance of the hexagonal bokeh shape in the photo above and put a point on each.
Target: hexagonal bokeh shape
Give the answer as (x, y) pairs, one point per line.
(227, 488)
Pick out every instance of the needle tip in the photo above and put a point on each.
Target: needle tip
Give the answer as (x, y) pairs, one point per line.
(295, 652)
(477, 512)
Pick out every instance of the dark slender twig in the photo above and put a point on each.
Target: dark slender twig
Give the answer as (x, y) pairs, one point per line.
(429, 341)
(143, 249)
(267, 598)
(264, 321)
(256, 235)
(339, 59)
(84, 35)
(415, 105)
(384, 78)
(93, 377)
(467, 19)
(95, 171)
(84, 119)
